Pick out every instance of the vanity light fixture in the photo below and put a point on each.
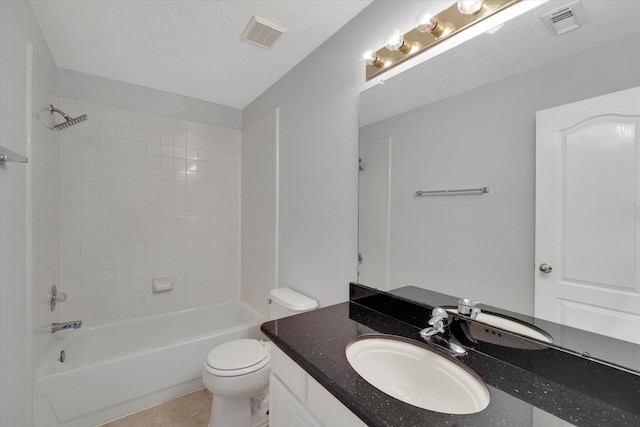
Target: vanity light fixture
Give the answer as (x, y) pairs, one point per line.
(431, 28)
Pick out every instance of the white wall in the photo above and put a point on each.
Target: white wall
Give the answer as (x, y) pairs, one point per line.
(482, 247)
(18, 27)
(259, 209)
(87, 87)
(318, 181)
(147, 196)
(318, 162)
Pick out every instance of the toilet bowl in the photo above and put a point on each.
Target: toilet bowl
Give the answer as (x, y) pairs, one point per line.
(237, 372)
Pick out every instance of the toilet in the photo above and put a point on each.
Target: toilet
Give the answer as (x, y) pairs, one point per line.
(237, 372)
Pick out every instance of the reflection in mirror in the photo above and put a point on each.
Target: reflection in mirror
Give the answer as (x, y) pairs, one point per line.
(597, 347)
(467, 119)
(587, 214)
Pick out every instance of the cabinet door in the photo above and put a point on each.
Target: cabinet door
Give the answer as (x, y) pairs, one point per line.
(285, 410)
(329, 410)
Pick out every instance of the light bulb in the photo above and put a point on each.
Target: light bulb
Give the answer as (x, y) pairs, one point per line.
(426, 22)
(372, 58)
(394, 40)
(469, 7)
(369, 57)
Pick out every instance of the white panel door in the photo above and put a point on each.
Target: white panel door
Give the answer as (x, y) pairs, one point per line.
(588, 213)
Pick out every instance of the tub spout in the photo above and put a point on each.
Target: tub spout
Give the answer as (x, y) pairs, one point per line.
(74, 324)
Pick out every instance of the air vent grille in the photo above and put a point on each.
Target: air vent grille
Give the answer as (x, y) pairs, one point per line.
(564, 19)
(262, 32)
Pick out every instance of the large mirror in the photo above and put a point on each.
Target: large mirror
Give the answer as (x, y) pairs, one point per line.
(466, 119)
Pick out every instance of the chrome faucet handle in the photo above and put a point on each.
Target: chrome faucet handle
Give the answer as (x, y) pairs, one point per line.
(438, 314)
(468, 308)
(431, 331)
(55, 297)
(446, 342)
(437, 326)
(438, 317)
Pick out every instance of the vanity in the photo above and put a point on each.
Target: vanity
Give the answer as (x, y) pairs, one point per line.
(530, 383)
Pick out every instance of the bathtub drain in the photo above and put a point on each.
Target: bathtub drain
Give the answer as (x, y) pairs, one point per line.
(62, 356)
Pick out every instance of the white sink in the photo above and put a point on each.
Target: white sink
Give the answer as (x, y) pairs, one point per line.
(418, 376)
(511, 326)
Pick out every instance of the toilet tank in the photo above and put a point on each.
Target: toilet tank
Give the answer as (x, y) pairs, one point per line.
(285, 302)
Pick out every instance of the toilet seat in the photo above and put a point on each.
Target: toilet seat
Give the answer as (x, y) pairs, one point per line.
(239, 357)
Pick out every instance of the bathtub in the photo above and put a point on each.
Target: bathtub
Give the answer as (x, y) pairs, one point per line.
(113, 370)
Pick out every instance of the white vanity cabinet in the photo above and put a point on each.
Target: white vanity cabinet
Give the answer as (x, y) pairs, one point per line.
(298, 400)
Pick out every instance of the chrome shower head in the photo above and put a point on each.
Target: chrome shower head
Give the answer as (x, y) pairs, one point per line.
(68, 120)
(71, 122)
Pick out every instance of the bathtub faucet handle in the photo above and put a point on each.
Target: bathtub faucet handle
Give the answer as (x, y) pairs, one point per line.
(55, 297)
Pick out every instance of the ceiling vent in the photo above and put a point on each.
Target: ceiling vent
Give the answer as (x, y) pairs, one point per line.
(262, 32)
(565, 19)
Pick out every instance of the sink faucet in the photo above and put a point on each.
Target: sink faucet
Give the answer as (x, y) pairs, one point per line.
(74, 324)
(439, 336)
(438, 316)
(466, 307)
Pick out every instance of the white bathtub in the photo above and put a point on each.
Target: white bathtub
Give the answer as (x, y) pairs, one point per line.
(117, 369)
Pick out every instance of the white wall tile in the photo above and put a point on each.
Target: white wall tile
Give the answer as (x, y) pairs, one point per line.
(140, 202)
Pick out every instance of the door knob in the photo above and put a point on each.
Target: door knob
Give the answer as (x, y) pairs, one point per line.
(545, 268)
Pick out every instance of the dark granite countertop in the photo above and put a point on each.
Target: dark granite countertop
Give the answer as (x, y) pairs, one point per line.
(535, 386)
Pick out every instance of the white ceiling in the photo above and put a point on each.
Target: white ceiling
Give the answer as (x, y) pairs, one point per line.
(191, 48)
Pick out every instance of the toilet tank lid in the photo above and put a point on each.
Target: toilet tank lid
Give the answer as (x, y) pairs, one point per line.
(292, 300)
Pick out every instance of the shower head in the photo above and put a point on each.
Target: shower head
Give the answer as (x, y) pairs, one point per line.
(71, 122)
(68, 120)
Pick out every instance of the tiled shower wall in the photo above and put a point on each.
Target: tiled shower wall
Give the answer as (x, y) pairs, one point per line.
(146, 196)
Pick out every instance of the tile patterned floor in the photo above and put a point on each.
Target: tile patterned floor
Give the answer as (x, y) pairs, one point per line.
(190, 410)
